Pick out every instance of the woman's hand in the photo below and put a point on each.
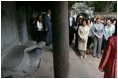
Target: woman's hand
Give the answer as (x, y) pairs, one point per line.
(75, 27)
(101, 69)
(83, 39)
(46, 29)
(99, 37)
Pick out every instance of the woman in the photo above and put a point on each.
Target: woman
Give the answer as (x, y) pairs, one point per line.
(97, 31)
(40, 28)
(83, 32)
(108, 62)
(108, 31)
(89, 36)
(114, 22)
(33, 29)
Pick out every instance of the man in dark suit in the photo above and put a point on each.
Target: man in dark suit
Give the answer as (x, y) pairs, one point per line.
(76, 32)
(71, 21)
(48, 26)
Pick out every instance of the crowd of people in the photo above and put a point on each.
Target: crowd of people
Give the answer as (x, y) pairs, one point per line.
(41, 28)
(90, 31)
(102, 33)
(96, 34)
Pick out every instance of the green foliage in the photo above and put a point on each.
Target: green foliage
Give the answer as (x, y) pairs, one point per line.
(90, 3)
(98, 5)
(115, 7)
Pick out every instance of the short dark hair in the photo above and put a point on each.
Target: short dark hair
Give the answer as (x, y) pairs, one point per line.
(48, 10)
(109, 19)
(84, 20)
(33, 12)
(89, 19)
(39, 14)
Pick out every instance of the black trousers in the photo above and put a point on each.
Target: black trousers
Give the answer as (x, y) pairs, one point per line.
(90, 40)
(71, 35)
(33, 32)
(40, 36)
(103, 43)
(76, 38)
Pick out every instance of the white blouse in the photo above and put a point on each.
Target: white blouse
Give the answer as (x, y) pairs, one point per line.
(39, 25)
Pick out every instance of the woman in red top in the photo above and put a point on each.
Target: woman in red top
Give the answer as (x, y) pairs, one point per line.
(108, 62)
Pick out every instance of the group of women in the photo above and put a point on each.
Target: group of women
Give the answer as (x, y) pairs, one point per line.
(94, 33)
(100, 32)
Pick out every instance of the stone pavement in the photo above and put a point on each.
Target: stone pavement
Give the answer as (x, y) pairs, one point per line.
(83, 68)
(78, 68)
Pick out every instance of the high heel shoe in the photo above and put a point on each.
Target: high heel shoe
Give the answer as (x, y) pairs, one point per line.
(81, 57)
(85, 56)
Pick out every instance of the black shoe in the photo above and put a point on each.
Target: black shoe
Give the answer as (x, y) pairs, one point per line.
(98, 57)
(94, 56)
(50, 42)
(75, 49)
(47, 45)
(87, 53)
(37, 41)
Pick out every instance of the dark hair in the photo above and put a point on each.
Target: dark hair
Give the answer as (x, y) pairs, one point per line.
(33, 12)
(98, 18)
(39, 14)
(48, 10)
(84, 20)
(92, 19)
(89, 19)
(115, 29)
(113, 20)
(77, 18)
(109, 19)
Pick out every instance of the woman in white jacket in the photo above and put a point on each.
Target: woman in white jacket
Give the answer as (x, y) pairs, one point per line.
(83, 32)
(40, 28)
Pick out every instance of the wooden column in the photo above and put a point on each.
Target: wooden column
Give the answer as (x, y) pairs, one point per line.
(60, 38)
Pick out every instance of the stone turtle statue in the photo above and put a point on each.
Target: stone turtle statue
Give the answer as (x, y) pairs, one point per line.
(21, 60)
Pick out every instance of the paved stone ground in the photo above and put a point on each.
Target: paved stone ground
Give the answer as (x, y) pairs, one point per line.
(83, 68)
(78, 68)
